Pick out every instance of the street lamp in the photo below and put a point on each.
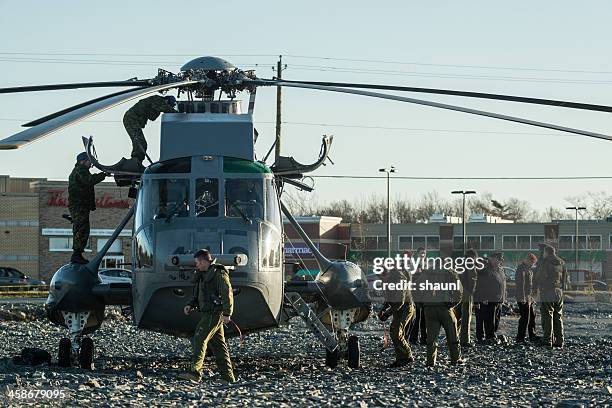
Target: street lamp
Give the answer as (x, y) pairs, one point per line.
(464, 193)
(576, 239)
(388, 171)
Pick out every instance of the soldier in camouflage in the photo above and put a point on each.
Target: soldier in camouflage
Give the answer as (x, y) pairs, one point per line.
(548, 279)
(399, 305)
(135, 119)
(81, 200)
(213, 297)
(433, 289)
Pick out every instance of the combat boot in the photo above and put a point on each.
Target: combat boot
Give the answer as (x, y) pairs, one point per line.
(459, 361)
(190, 376)
(401, 363)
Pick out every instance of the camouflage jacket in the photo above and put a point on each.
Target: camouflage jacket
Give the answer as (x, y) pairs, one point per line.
(147, 109)
(549, 278)
(491, 285)
(213, 291)
(437, 287)
(469, 278)
(81, 194)
(524, 283)
(396, 298)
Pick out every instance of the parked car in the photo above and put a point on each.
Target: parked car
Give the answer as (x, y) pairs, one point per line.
(12, 277)
(115, 275)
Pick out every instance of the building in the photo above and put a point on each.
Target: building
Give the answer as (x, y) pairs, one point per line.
(37, 240)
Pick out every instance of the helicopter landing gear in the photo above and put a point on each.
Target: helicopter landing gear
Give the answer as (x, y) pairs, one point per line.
(76, 350)
(348, 345)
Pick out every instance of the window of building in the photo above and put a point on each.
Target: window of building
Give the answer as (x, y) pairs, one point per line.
(594, 242)
(419, 241)
(487, 242)
(473, 241)
(523, 242)
(458, 242)
(371, 243)
(509, 242)
(357, 243)
(59, 244)
(566, 242)
(433, 243)
(405, 242)
(535, 240)
(116, 247)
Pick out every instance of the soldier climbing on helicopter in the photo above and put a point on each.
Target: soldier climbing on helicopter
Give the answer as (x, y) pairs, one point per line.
(135, 119)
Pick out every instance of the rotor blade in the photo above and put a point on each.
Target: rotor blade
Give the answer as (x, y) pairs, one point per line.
(34, 133)
(54, 87)
(436, 105)
(481, 95)
(75, 107)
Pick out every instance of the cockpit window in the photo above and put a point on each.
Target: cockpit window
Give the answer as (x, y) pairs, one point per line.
(244, 198)
(272, 209)
(167, 198)
(207, 197)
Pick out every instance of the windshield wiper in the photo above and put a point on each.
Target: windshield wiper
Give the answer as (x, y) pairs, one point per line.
(242, 214)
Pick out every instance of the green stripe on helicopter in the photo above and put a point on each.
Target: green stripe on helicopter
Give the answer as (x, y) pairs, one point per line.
(233, 165)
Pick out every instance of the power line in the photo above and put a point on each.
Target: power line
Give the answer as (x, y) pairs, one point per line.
(465, 178)
(448, 65)
(340, 125)
(448, 76)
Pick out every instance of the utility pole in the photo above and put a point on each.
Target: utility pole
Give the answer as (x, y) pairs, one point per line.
(388, 171)
(279, 75)
(464, 193)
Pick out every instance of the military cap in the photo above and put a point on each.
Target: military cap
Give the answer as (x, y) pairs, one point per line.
(82, 156)
(203, 253)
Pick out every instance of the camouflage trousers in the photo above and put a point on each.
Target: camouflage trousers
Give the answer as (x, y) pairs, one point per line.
(80, 228)
(209, 332)
(139, 143)
(401, 319)
(552, 322)
(437, 316)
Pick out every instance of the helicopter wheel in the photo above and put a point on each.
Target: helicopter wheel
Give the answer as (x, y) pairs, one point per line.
(332, 358)
(86, 353)
(354, 352)
(63, 355)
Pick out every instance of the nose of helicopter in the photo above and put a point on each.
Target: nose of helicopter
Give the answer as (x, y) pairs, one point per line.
(344, 285)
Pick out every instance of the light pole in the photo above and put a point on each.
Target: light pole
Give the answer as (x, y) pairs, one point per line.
(464, 193)
(576, 238)
(388, 171)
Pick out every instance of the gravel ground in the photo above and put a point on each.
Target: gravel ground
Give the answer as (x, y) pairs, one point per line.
(285, 367)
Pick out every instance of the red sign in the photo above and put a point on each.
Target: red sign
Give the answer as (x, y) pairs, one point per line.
(57, 199)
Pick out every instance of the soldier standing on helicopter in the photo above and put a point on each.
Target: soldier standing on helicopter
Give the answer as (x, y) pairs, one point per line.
(213, 297)
(135, 119)
(81, 200)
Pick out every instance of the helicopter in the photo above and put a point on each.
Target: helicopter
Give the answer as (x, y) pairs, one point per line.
(208, 190)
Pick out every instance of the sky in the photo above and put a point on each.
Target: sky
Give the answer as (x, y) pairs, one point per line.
(545, 49)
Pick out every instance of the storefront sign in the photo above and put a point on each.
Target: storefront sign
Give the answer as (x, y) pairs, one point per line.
(57, 198)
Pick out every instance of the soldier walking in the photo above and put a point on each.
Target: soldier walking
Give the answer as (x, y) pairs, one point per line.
(213, 297)
(489, 294)
(549, 278)
(438, 306)
(135, 119)
(81, 200)
(524, 299)
(399, 305)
